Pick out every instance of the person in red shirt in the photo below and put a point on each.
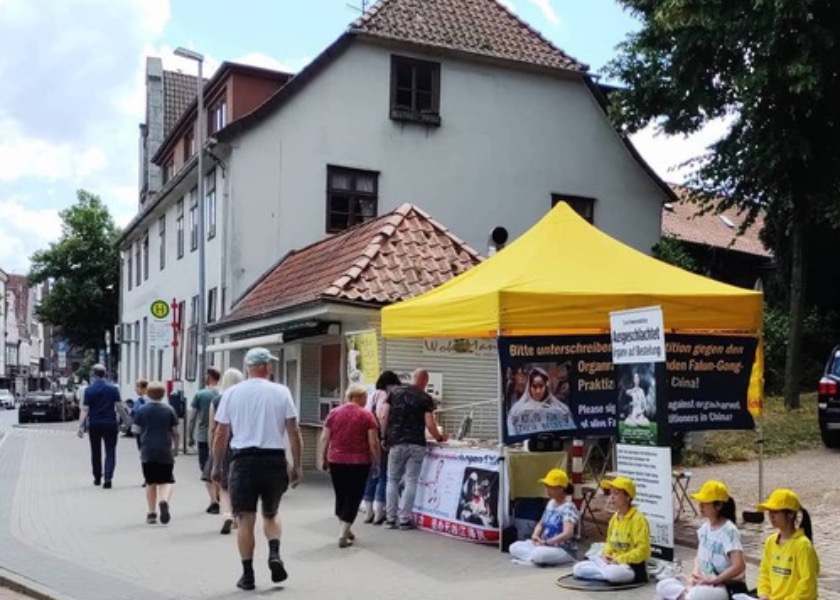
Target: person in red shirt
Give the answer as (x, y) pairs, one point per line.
(350, 451)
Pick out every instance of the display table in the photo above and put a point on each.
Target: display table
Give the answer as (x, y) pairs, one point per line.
(458, 492)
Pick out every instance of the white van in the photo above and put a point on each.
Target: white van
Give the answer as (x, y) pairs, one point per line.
(7, 399)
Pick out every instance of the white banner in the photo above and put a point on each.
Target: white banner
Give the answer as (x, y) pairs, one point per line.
(650, 468)
(458, 493)
(638, 335)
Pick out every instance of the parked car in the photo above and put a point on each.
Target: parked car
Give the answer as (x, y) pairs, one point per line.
(46, 406)
(829, 401)
(7, 399)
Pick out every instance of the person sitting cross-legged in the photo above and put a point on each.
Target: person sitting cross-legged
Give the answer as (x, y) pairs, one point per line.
(627, 546)
(553, 541)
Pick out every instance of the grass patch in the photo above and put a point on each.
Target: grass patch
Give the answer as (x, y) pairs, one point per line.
(785, 432)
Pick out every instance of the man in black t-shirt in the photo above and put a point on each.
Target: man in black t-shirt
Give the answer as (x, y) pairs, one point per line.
(408, 412)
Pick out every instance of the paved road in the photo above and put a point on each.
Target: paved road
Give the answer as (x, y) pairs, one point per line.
(91, 544)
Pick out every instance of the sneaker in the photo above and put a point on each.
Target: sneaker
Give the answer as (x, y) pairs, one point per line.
(407, 525)
(106, 485)
(227, 525)
(369, 518)
(391, 524)
(379, 520)
(213, 509)
(278, 571)
(344, 542)
(165, 517)
(151, 518)
(246, 582)
(97, 481)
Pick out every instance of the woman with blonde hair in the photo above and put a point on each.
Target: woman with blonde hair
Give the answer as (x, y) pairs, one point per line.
(349, 450)
(229, 379)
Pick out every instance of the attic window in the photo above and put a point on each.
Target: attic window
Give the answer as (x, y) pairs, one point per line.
(727, 221)
(415, 90)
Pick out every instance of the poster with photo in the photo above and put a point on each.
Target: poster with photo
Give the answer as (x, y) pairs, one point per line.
(637, 398)
(362, 358)
(557, 384)
(458, 493)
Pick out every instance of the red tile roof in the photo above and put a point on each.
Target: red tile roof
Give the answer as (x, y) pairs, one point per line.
(394, 257)
(683, 221)
(483, 27)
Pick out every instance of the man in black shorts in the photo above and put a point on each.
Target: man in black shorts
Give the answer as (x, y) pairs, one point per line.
(260, 414)
(156, 427)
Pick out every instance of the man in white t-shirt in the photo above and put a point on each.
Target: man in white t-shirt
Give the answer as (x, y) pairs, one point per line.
(254, 417)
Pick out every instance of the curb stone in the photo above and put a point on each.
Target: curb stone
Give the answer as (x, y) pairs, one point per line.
(28, 587)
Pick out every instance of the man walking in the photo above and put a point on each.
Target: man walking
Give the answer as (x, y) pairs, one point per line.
(201, 419)
(407, 413)
(156, 427)
(260, 414)
(99, 411)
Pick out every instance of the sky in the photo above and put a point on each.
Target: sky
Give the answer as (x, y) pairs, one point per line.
(73, 97)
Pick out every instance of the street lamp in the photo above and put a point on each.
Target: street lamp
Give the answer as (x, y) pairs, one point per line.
(199, 134)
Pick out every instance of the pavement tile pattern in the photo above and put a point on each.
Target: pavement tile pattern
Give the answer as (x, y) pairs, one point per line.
(87, 543)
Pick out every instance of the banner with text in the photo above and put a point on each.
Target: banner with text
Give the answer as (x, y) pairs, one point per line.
(553, 384)
(650, 469)
(638, 335)
(570, 384)
(708, 377)
(458, 493)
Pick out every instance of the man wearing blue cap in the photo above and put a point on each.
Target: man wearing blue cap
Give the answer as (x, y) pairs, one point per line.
(254, 417)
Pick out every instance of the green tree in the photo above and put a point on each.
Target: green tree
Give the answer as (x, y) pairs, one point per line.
(673, 251)
(83, 270)
(770, 67)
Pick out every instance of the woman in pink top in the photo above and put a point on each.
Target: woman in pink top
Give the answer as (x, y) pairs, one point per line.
(349, 449)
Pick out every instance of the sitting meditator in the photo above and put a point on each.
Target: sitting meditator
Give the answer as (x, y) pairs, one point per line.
(719, 566)
(553, 541)
(627, 546)
(789, 566)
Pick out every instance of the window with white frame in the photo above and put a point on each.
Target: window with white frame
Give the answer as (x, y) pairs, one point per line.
(193, 219)
(210, 204)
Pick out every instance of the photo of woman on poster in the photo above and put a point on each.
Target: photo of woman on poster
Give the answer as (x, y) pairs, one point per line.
(538, 410)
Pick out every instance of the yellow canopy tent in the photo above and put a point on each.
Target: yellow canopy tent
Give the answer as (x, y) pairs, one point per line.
(565, 275)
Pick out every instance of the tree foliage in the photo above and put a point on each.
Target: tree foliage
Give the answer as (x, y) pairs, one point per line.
(771, 70)
(83, 270)
(673, 251)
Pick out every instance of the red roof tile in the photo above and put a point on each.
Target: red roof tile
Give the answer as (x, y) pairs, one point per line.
(179, 91)
(683, 221)
(394, 257)
(482, 27)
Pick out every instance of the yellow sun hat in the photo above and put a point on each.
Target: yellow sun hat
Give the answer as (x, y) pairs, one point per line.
(781, 499)
(712, 491)
(620, 483)
(555, 478)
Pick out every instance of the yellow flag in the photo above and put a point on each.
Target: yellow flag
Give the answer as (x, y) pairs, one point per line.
(755, 393)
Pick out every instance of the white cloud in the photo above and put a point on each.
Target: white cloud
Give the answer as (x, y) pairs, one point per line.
(23, 231)
(508, 4)
(665, 154)
(547, 10)
(70, 119)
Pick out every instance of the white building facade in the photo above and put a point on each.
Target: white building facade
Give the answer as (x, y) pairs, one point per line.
(479, 140)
